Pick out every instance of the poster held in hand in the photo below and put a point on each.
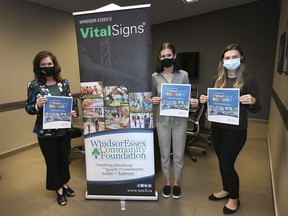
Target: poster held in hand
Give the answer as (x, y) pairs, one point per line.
(223, 105)
(175, 100)
(56, 112)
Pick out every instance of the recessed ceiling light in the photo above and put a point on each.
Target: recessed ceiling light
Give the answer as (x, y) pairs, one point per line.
(190, 1)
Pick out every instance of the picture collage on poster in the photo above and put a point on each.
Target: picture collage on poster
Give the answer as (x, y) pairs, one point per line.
(114, 107)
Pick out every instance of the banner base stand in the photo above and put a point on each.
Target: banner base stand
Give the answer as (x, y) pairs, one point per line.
(112, 197)
(122, 205)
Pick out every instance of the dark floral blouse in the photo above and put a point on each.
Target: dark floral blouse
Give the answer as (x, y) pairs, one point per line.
(37, 89)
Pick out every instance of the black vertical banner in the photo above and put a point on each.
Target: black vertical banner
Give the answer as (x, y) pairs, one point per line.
(115, 80)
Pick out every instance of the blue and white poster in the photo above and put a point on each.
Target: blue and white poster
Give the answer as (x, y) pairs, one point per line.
(223, 105)
(114, 48)
(175, 100)
(56, 112)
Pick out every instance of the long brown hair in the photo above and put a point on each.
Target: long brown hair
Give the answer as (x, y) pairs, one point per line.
(36, 64)
(222, 71)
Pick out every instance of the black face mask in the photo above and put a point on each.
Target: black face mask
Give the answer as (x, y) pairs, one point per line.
(167, 62)
(47, 71)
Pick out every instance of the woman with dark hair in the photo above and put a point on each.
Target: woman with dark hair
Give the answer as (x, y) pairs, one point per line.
(54, 144)
(170, 128)
(228, 140)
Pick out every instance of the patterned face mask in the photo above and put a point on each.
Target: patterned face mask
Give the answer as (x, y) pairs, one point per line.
(47, 71)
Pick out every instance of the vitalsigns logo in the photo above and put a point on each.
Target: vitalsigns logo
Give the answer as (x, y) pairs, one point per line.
(112, 30)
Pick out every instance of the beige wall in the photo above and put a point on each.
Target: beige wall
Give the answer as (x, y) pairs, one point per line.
(278, 134)
(25, 30)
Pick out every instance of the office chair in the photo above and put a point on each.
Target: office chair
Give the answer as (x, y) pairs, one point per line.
(77, 127)
(194, 91)
(193, 130)
(75, 133)
(204, 134)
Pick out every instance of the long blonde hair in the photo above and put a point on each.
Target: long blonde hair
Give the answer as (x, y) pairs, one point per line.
(222, 71)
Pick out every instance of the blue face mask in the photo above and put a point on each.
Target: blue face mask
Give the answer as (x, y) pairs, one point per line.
(232, 64)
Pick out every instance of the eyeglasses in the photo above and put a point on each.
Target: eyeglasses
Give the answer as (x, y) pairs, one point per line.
(49, 64)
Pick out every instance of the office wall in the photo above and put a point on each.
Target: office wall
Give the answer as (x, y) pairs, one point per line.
(277, 132)
(26, 29)
(253, 26)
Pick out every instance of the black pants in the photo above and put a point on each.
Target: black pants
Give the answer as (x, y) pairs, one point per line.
(56, 153)
(228, 144)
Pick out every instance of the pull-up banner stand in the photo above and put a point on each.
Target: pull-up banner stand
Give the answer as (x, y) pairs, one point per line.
(115, 80)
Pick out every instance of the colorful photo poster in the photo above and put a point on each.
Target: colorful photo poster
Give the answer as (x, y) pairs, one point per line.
(116, 111)
(223, 105)
(93, 107)
(91, 90)
(141, 120)
(175, 100)
(141, 110)
(116, 96)
(56, 112)
(117, 118)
